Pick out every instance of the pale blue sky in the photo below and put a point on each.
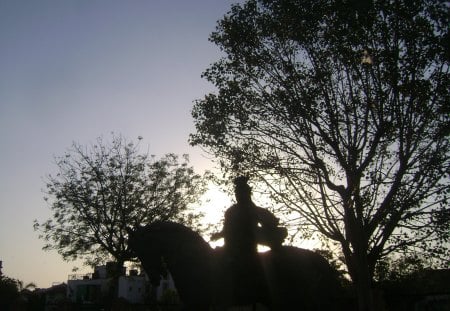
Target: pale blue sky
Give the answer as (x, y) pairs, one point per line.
(72, 70)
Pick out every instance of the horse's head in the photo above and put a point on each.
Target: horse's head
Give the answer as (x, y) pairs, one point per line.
(184, 252)
(187, 255)
(146, 244)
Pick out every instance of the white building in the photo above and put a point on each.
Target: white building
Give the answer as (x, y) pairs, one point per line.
(133, 288)
(93, 287)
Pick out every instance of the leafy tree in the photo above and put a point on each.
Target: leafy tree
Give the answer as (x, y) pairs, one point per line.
(102, 189)
(9, 291)
(394, 269)
(342, 109)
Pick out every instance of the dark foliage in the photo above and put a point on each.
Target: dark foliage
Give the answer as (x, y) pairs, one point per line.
(342, 109)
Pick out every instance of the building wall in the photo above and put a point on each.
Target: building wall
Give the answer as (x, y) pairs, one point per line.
(91, 288)
(86, 291)
(132, 288)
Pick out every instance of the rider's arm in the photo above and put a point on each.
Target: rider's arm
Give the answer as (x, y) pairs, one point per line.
(216, 235)
(266, 218)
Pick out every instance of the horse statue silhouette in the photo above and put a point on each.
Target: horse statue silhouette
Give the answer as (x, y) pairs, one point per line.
(297, 279)
(236, 274)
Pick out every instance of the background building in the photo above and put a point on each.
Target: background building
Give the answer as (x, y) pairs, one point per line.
(134, 287)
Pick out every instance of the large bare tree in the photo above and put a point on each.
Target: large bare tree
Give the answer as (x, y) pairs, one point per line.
(342, 109)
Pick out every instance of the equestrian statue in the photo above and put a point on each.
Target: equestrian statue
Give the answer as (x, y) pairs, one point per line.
(237, 275)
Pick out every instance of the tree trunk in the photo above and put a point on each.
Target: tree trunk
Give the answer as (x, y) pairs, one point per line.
(362, 282)
(364, 292)
(356, 255)
(360, 272)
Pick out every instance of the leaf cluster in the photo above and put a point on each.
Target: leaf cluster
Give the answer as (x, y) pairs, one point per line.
(9, 291)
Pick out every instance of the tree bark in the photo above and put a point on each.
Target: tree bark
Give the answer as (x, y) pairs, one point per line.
(363, 286)
(362, 279)
(357, 258)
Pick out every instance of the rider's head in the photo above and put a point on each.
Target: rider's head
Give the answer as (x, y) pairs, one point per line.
(242, 190)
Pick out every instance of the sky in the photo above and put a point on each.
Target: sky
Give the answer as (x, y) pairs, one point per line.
(74, 70)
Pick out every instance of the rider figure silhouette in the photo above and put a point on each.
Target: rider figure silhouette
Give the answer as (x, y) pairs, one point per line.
(245, 226)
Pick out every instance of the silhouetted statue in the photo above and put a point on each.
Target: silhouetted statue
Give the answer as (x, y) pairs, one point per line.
(236, 274)
(245, 226)
(296, 279)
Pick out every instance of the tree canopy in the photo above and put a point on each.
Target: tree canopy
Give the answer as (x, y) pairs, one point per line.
(342, 109)
(101, 190)
(9, 291)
